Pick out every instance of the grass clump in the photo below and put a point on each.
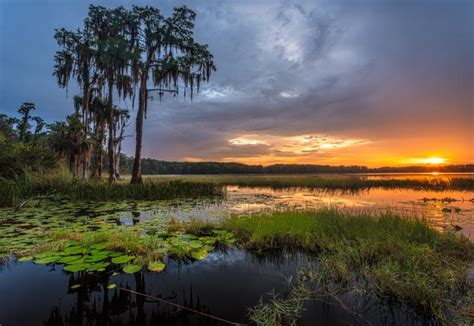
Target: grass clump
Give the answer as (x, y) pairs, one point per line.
(389, 256)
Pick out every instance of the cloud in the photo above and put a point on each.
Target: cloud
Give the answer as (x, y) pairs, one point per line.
(397, 73)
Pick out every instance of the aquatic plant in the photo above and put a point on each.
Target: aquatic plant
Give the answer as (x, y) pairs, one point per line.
(280, 309)
(387, 255)
(95, 244)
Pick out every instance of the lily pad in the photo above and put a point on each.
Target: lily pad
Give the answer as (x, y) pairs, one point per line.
(76, 267)
(47, 260)
(46, 254)
(100, 246)
(111, 286)
(195, 244)
(75, 286)
(115, 254)
(74, 251)
(25, 258)
(131, 269)
(69, 259)
(156, 266)
(95, 259)
(199, 254)
(122, 259)
(97, 267)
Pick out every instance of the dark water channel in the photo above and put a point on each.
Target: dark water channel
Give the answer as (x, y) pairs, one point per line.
(225, 284)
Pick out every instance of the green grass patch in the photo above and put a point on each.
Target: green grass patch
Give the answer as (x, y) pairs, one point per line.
(12, 192)
(390, 256)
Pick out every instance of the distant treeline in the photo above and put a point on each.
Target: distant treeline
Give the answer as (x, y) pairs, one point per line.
(153, 166)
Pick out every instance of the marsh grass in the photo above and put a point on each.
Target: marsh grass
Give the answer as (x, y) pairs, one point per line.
(340, 182)
(390, 256)
(61, 183)
(281, 309)
(12, 192)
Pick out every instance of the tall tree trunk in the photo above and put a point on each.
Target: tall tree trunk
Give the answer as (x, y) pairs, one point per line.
(111, 147)
(87, 148)
(100, 163)
(117, 165)
(137, 164)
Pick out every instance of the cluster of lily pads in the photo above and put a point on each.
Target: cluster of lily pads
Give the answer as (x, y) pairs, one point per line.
(95, 258)
(94, 240)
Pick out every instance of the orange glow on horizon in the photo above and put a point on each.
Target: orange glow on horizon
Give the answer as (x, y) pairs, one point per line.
(340, 149)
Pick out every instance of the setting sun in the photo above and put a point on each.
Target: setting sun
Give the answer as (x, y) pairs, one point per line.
(434, 160)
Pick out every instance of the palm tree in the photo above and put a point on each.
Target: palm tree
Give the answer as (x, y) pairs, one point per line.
(164, 49)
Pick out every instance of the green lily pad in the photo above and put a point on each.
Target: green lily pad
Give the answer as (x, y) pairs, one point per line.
(131, 269)
(195, 244)
(115, 254)
(75, 286)
(199, 254)
(74, 251)
(25, 258)
(98, 267)
(122, 259)
(156, 266)
(95, 259)
(47, 260)
(100, 246)
(76, 267)
(208, 240)
(46, 254)
(69, 259)
(111, 286)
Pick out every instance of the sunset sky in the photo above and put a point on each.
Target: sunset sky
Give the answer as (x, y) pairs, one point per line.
(366, 82)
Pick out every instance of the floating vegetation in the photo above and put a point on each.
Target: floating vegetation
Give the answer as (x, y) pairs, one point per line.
(96, 240)
(156, 266)
(132, 268)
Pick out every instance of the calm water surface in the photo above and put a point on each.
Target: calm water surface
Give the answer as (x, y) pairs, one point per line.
(225, 284)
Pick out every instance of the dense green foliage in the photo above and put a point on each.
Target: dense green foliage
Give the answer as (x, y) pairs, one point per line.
(387, 255)
(24, 148)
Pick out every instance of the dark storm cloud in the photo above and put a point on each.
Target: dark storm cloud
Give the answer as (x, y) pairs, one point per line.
(361, 69)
